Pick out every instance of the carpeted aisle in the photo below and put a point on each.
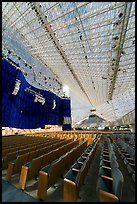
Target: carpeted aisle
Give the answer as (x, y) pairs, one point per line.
(12, 194)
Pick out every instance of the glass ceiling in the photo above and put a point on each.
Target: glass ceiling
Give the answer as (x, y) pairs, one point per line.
(88, 46)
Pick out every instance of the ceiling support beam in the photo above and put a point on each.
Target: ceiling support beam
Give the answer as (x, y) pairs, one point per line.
(118, 46)
(127, 119)
(36, 6)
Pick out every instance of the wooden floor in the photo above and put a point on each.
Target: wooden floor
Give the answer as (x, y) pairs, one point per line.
(11, 192)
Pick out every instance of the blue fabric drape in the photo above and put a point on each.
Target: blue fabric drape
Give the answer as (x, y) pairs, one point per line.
(20, 111)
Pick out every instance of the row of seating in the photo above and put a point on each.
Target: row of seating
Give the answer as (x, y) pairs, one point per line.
(59, 135)
(103, 138)
(18, 140)
(82, 137)
(50, 173)
(71, 135)
(110, 179)
(29, 145)
(124, 137)
(10, 154)
(13, 155)
(16, 165)
(130, 141)
(31, 169)
(27, 141)
(127, 154)
(75, 177)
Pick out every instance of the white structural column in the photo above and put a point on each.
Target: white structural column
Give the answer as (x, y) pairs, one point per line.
(119, 45)
(54, 39)
(132, 128)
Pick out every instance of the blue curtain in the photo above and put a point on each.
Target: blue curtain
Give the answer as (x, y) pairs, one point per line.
(20, 111)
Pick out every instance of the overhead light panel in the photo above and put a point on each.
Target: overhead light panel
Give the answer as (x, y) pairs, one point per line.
(38, 97)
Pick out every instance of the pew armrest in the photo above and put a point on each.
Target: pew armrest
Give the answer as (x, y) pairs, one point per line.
(106, 167)
(107, 177)
(73, 169)
(130, 159)
(105, 160)
(107, 197)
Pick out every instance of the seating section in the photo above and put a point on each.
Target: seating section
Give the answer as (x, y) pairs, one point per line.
(29, 145)
(127, 153)
(16, 165)
(110, 187)
(49, 174)
(13, 155)
(18, 150)
(110, 179)
(31, 169)
(47, 157)
(24, 143)
(75, 177)
(106, 166)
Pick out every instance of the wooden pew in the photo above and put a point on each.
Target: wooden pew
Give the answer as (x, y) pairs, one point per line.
(15, 166)
(110, 188)
(48, 175)
(72, 183)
